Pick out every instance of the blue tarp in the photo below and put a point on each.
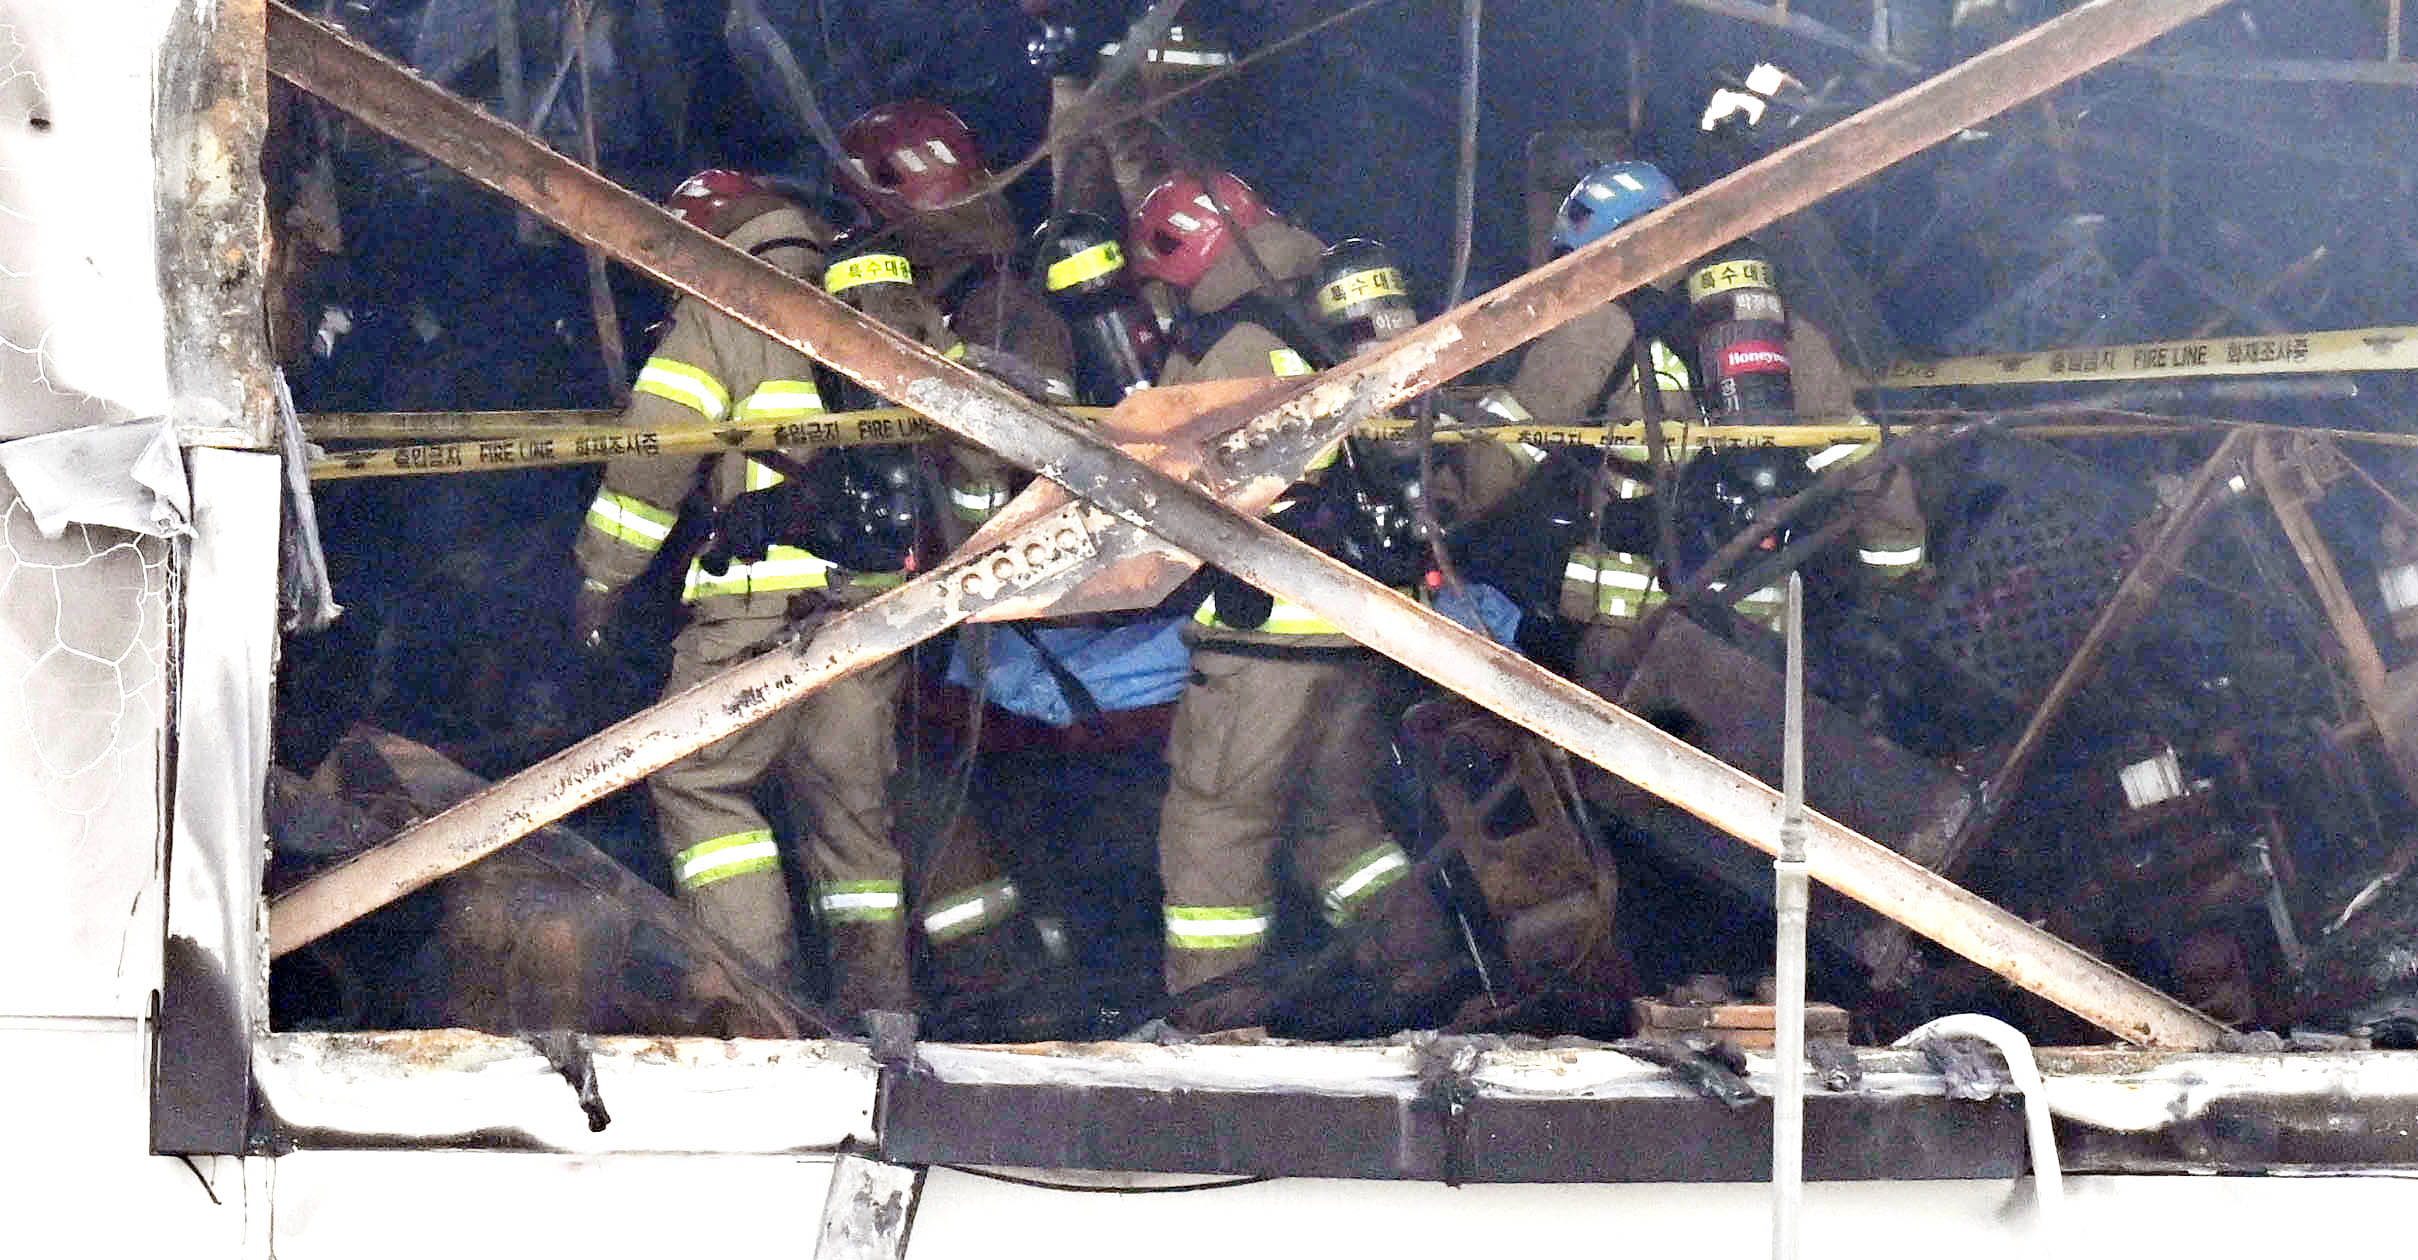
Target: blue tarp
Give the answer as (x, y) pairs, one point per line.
(1143, 663)
(1130, 666)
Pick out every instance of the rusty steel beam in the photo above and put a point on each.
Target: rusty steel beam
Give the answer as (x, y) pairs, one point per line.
(1051, 551)
(1492, 675)
(1744, 201)
(1271, 449)
(1320, 410)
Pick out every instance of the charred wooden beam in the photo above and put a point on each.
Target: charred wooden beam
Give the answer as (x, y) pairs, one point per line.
(2217, 480)
(2293, 480)
(1271, 450)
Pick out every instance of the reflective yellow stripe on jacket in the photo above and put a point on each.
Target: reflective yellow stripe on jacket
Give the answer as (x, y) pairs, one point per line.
(1767, 607)
(630, 521)
(973, 910)
(860, 900)
(740, 853)
(1612, 585)
(781, 400)
(781, 569)
(1362, 878)
(686, 384)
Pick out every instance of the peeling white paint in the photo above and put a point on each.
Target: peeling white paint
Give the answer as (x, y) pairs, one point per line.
(81, 319)
(1332, 1071)
(664, 1094)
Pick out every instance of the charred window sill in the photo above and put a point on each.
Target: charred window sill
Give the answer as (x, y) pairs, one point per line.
(1413, 1110)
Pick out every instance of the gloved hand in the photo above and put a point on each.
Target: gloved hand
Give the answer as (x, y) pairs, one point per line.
(592, 610)
(1239, 604)
(1658, 312)
(747, 527)
(1315, 513)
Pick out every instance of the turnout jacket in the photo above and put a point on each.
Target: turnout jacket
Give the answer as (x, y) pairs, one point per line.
(711, 367)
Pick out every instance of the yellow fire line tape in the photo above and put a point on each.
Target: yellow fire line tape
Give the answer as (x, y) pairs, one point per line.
(526, 447)
(506, 440)
(2390, 349)
(523, 446)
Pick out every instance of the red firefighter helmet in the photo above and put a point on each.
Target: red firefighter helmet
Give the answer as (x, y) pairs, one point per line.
(718, 200)
(1177, 233)
(910, 155)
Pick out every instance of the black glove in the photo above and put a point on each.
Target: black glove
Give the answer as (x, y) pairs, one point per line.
(1240, 605)
(1315, 513)
(748, 526)
(1659, 313)
(1018, 373)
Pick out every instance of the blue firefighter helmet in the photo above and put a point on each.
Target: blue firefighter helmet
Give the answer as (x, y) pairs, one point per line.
(1605, 198)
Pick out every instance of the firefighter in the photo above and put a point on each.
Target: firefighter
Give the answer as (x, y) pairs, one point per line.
(916, 166)
(1361, 299)
(834, 750)
(1610, 581)
(1279, 733)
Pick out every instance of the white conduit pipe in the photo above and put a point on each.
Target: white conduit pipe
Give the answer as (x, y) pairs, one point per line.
(2049, 1181)
(1792, 894)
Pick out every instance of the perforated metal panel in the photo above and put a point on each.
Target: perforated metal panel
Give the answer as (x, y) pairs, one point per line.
(2044, 542)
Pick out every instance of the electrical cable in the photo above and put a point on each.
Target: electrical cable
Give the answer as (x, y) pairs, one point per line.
(1465, 210)
(746, 21)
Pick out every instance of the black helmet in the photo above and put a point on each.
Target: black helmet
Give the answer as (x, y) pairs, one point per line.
(1360, 294)
(867, 497)
(1720, 491)
(1079, 255)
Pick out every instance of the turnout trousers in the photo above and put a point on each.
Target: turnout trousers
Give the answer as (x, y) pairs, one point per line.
(1269, 753)
(835, 752)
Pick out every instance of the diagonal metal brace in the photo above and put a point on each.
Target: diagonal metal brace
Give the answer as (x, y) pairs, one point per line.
(1275, 447)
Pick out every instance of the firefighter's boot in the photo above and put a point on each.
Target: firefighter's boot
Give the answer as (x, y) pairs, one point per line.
(1410, 949)
(869, 969)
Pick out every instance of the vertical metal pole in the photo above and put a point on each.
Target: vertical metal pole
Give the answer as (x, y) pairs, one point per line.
(1791, 892)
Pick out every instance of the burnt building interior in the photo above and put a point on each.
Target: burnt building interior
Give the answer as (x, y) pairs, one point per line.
(2141, 342)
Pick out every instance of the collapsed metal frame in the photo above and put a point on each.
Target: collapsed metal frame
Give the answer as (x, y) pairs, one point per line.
(1268, 433)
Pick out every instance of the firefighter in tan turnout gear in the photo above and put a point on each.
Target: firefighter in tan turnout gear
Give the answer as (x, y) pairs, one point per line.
(1279, 734)
(1760, 366)
(835, 750)
(916, 166)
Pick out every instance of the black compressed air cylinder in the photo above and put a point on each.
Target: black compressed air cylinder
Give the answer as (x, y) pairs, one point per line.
(1741, 336)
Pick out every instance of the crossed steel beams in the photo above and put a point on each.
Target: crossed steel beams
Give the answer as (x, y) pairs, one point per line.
(1129, 501)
